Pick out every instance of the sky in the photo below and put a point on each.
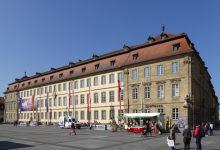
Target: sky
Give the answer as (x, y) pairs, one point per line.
(39, 34)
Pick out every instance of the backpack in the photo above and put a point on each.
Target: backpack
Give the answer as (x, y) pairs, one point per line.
(202, 132)
(157, 126)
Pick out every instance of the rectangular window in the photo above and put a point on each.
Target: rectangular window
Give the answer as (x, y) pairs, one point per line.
(175, 67)
(120, 113)
(30, 92)
(103, 80)
(60, 114)
(42, 115)
(120, 77)
(51, 78)
(121, 95)
(45, 90)
(55, 88)
(50, 89)
(96, 81)
(38, 91)
(76, 84)
(160, 91)
(103, 97)
(21, 94)
(42, 90)
(45, 115)
(27, 94)
(71, 72)
(59, 87)
(175, 90)
(135, 56)
(175, 113)
(176, 47)
(160, 69)
(42, 103)
(83, 70)
(146, 72)
(96, 66)
(64, 113)
(64, 101)
(64, 86)
(55, 115)
(82, 115)
(55, 102)
(71, 100)
(24, 116)
(70, 85)
(88, 82)
(27, 116)
(34, 115)
(38, 103)
(135, 94)
(135, 111)
(82, 99)
(147, 92)
(111, 96)
(14, 106)
(70, 113)
(160, 110)
(82, 83)
(112, 114)
(112, 63)
(76, 100)
(59, 101)
(76, 115)
(50, 101)
(96, 114)
(96, 98)
(24, 94)
(147, 110)
(134, 73)
(112, 78)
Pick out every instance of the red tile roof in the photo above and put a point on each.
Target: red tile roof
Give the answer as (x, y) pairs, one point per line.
(146, 51)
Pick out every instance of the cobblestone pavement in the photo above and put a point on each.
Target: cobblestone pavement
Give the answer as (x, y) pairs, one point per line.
(42, 137)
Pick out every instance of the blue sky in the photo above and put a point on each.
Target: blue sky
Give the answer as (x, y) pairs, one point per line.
(37, 35)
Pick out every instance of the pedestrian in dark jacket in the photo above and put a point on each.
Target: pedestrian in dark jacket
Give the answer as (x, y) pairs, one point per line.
(186, 137)
(172, 135)
(73, 128)
(148, 128)
(196, 135)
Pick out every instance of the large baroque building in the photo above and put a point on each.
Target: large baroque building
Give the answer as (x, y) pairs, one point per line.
(165, 74)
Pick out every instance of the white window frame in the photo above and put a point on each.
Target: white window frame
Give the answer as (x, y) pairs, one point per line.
(103, 97)
(95, 97)
(76, 84)
(112, 114)
(111, 96)
(175, 90)
(160, 70)
(95, 81)
(135, 94)
(82, 99)
(175, 114)
(134, 74)
(147, 110)
(147, 92)
(64, 86)
(160, 110)
(103, 115)
(160, 91)
(103, 79)
(76, 99)
(96, 114)
(82, 115)
(135, 111)
(82, 83)
(111, 78)
(147, 72)
(88, 82)
(175, 67)
(120, 76)
(59, 101)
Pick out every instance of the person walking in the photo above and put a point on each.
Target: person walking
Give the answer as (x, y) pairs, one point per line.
(157, 128)
(211, 128)
(186, 137)
(206, 128)
(196, 135)
(73, 128)
(14, 123)
(172, 135)
(161, 127)
(148, 128)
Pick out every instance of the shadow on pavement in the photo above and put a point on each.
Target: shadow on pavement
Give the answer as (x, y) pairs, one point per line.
(5, 145)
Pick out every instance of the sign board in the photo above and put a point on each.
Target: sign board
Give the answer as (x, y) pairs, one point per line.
(26, 104)
(182, 121)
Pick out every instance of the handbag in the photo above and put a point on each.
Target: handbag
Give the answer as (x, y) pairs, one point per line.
(184, 139)
(72, 130)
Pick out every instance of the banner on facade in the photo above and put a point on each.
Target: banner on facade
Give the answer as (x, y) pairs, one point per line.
(26, 104)
(182, 121)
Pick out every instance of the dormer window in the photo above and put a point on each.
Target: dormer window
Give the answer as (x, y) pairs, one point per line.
(15, 86)
(96, 66)
(60, 75)
(71, 72)
(95, 56)
(150, 39)
(135, 56)
(83, 70)
(112, 63)
(163, 36)
(35, 81)
(51, 78)
(176, 47)
(126, 48)
(7, 89)
(29, 83)
(43, 79)
(71, 64)
(22, 85)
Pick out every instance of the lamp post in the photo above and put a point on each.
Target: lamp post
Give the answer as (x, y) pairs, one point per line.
(186, 105)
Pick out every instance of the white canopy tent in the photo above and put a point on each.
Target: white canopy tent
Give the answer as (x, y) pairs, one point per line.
(141, 115)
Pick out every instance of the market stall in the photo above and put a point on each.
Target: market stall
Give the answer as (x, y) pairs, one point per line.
(140, 120)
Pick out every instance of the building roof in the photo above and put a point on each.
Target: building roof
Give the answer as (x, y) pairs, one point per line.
(2, 100)
(146, 52)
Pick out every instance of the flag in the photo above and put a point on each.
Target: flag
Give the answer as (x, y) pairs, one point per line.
(119, 92)
(20, 104)
(47, 102)
(69, 101)
(33, 103)
(89, 98)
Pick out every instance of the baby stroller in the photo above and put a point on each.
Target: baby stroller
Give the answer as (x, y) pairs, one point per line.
(144, 132)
